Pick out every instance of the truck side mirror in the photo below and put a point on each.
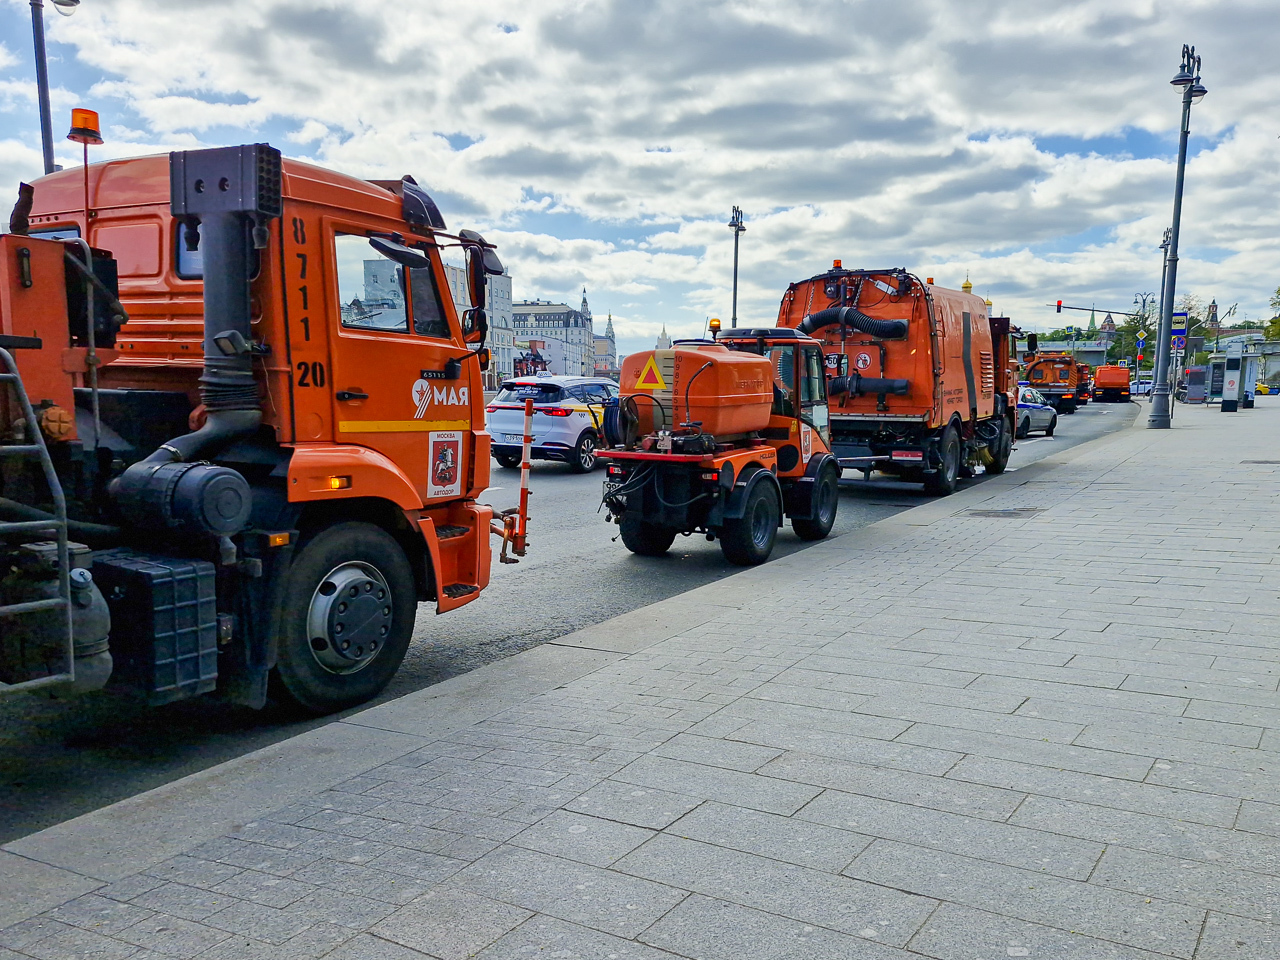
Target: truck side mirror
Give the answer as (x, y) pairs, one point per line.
(1033, 343)
(476, 277)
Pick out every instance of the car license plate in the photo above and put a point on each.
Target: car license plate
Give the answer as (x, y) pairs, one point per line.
(513, 438)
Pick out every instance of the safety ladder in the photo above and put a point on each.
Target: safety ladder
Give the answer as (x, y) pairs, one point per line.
(33, 529)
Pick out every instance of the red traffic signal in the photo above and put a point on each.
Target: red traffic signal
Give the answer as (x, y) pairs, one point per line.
(1059, 306)
(1139, 358)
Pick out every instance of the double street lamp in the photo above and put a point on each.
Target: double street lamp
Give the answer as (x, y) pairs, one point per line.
(737, 226)
(66, 8)
(1188, 78)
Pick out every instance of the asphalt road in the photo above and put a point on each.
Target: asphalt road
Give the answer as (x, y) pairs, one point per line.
(59, 759)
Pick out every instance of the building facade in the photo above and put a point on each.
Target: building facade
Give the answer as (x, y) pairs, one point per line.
(501, 341)
(607, 352)
(562, 325)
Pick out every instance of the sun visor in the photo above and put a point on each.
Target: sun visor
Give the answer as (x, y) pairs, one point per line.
(416, 205)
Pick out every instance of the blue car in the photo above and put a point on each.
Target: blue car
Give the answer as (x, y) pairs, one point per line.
(1034, 413)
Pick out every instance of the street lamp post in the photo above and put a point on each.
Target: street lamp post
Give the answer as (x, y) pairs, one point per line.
(1188, 78)
(737, 226)
(66, 8)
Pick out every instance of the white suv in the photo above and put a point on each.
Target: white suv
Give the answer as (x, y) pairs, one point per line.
(567, 415)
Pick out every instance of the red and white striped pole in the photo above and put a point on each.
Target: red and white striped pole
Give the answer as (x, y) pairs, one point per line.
(522, 522)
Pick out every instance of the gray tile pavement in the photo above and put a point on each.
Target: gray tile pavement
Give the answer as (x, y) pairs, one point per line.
(952, 737)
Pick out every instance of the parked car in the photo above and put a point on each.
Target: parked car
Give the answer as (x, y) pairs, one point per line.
(1140, 387)
(567, 415)
(1263, 389)
(1034, 413)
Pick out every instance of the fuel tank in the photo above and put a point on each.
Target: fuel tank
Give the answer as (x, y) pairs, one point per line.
(728, 392)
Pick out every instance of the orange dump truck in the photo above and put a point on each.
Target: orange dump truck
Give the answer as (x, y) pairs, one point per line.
(1059, 378)
(921, 382)
(244, 439)
(1111, 384)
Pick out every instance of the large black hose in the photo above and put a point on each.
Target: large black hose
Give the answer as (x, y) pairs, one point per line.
(853, 317)
(857, 385)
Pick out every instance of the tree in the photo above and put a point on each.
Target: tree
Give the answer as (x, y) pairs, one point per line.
(1272, 330)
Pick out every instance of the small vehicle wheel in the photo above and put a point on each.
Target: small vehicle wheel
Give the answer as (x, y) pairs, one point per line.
(748, 541)
(645, 539)
(346, 620)
(1024, 427)
(826, 501)
(942, 482)
(583, 459)
(508, 461)
(1000, 448)
(1053, 425)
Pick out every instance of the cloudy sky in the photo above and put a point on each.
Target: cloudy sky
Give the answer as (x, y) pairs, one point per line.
(1028, 143)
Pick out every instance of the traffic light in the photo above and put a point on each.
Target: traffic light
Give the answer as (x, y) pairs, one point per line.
(1059, 306)
(1139, 358)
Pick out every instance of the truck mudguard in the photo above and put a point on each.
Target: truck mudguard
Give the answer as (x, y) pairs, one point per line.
(746, 482)
(800, 492)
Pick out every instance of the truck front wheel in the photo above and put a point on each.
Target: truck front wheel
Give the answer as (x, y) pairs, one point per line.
(346, 618)
(749, 540)
(645, 539)
(826, 501)
(942, 482)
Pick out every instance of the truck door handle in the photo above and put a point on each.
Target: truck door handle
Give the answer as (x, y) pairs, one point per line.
(351, 395)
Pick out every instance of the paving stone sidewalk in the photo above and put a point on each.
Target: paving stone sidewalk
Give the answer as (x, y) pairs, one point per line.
(1038, 719)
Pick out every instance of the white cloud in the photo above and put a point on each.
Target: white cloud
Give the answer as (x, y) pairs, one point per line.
(940, 135)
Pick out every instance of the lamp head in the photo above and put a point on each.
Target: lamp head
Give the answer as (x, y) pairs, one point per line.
(66, 7)
(1183, 77)
(1198, 90)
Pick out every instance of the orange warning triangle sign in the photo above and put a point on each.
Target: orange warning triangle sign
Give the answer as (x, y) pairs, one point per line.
(650, 378)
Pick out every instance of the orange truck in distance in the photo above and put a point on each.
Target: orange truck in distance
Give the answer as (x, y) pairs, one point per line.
(1059, 378)
(921, 379)
(251, 444)
(1111, 384)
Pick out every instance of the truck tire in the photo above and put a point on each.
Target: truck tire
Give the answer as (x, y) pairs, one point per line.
(749, 540)
(1069, 406)
(942, 482)
(507, 460)
(583, 458)
(346, 619)
(645, 539)
(1000, 448)
(1053, 425)
(826, 502)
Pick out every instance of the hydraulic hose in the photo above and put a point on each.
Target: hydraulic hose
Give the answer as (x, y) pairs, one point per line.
(857, 385)
(855, 318)
(93, 534)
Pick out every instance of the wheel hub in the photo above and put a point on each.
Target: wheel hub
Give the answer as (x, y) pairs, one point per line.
(349, 618)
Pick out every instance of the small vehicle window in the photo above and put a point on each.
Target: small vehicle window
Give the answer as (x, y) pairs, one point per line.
(537, 392)
(577, 392)
(428, 311)
(813, 382)
(371, 288)
(783, 362)
(56, 233)
(597, 392)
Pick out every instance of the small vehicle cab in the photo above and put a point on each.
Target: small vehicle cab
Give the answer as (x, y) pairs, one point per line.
(1034, 413)
(567, 415)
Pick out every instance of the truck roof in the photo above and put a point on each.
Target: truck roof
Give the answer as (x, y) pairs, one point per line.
(138, 181)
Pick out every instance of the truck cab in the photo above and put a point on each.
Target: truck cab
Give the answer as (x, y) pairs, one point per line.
(293, 328)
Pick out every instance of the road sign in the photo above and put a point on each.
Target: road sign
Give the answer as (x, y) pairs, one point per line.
(1179, 325)
(1142, 335)
(1179, 343)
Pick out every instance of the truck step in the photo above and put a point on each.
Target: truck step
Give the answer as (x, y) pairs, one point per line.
(455, 590)
(448, 532)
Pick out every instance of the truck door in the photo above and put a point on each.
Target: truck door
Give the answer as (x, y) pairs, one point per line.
(393, 386)
(813, 392)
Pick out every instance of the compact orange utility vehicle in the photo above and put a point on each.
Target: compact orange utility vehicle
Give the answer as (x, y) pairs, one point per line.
(1059, 378)
(724, 437)
(1084, 391)
(244, 438)
(921, 380)
(1111, 384)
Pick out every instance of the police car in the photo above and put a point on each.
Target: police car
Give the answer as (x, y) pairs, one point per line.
(567, 413)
